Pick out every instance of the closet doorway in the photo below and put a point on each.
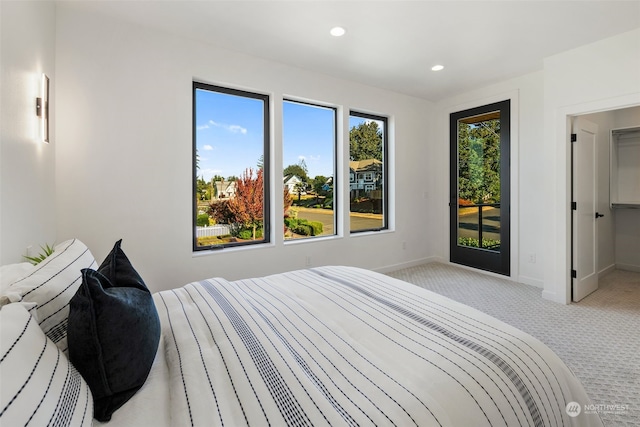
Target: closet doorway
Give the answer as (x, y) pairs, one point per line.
(605, 232)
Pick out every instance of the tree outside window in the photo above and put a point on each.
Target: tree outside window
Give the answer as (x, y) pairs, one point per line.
(368, 172)
(230, 142)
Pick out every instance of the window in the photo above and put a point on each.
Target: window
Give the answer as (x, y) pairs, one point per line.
(309, 141)
(368, 167)
(230, 164)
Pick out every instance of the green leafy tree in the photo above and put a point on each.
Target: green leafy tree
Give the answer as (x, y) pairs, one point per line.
(297, 170)
(299, 188)
(365, 141)
(214, 188)
(203, 189)
(318, 184)
(479, 161)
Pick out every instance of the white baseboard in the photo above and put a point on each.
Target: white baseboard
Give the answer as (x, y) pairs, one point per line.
(531, 281)
(400, 266)
(552, 296)
(628, 267)
(477, 270)
(606, 270)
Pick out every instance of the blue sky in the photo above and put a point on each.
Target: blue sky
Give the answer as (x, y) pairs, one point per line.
(229, 135)
(309, 133)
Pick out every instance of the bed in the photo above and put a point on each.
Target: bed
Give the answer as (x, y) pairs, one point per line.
(330, 345)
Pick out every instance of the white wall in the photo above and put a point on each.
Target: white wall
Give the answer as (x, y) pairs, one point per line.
(124, 152)
(600, 76)
(27, 172)
(527, 195)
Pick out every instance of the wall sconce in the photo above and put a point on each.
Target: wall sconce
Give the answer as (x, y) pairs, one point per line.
(42, 108)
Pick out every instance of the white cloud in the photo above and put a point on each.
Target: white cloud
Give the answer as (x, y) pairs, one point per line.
(237, 128)
(230, 128)
(203, 127)
(207, 147)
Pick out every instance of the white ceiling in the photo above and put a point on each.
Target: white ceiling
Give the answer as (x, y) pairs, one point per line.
(391, 44)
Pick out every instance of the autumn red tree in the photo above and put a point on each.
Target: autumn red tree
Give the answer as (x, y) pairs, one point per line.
(246, 207)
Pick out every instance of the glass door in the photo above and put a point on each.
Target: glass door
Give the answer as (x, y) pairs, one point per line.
(479, 194)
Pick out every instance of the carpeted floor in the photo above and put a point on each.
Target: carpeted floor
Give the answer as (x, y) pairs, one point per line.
(598, 338)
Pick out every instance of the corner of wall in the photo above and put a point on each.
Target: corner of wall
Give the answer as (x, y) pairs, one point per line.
(27, 183)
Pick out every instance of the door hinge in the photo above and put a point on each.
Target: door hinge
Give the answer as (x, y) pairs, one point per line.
(574, 137)
(574, 206)
(574, 274)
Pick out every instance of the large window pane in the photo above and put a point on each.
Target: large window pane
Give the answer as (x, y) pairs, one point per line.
(479, 181)
(309, 139)
(367, 172)
(230, 132)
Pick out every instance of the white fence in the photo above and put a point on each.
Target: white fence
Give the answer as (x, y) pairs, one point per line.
(214, 230)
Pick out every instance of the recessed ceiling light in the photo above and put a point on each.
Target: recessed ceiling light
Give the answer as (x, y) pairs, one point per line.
(337, 31)
(437, 67)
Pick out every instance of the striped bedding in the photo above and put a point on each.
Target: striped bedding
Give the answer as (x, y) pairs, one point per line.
(346, 346)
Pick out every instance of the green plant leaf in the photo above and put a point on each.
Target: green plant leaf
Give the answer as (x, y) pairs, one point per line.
(46, 251)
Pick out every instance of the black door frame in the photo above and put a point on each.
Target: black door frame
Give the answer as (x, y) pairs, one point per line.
(483, 259)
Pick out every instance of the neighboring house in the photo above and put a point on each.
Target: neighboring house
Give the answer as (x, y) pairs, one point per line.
(291, 182)
(364, 176)
(328, 186)
(225, 189)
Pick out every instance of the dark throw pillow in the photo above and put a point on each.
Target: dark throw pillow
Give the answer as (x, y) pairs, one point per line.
(118, 269)
(113, 332)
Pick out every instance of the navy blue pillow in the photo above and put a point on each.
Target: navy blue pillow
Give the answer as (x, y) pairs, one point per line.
(118, 269)
(113, 332)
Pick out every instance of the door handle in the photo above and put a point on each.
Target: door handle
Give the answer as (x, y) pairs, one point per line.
(599, 215)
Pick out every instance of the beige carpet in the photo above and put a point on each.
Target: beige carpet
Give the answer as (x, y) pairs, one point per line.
(598, 338)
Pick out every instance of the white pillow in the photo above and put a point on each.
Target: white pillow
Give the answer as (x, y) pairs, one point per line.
(39, 385)
(13, 272)
(51, 284)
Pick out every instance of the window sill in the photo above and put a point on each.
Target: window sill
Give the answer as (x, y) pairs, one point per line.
(311, 240)
(231, 249)
(371, 233)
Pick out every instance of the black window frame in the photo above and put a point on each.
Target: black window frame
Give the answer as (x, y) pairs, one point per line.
(385, 171)
(266, 221)
(336, 190)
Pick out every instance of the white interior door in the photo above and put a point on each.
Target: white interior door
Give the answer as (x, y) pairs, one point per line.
(585, 215)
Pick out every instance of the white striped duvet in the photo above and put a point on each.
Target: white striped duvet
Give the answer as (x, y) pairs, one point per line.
(345, 346)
